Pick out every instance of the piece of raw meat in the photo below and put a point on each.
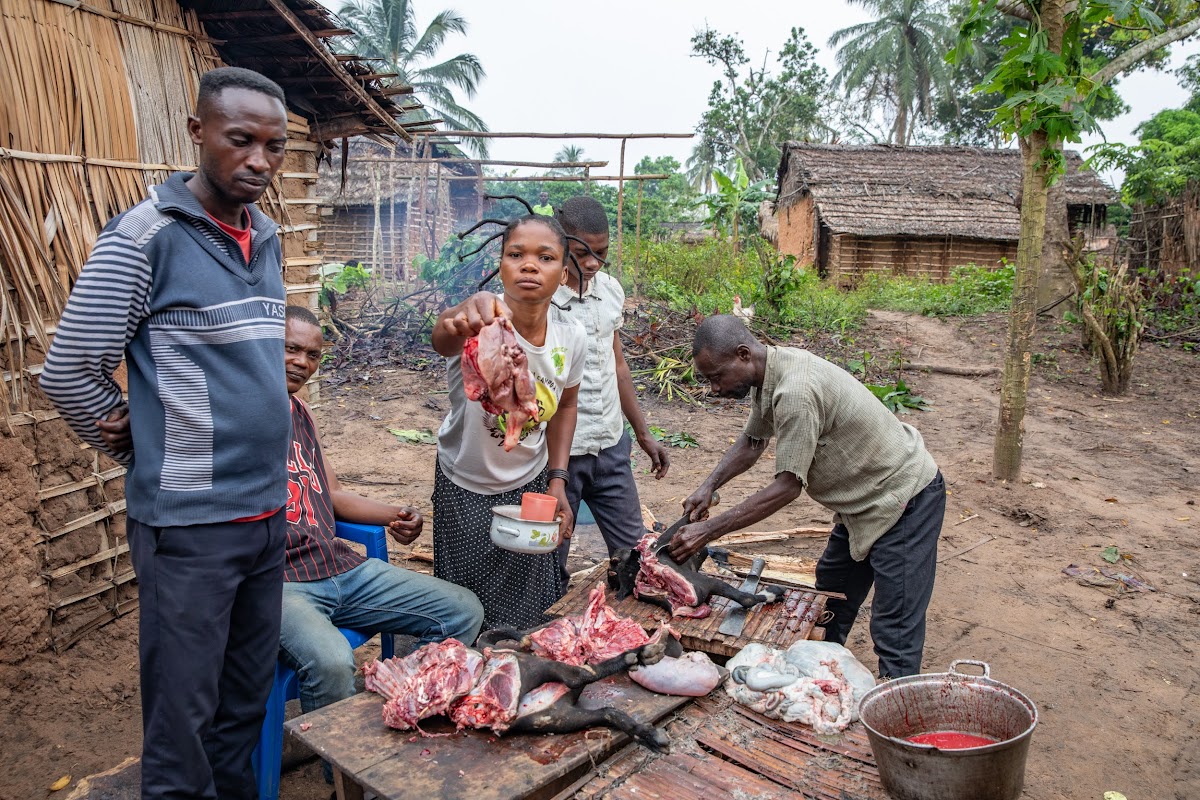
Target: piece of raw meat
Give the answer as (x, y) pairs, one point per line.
(692, 675)
(496, 696)
(495, 372)
(426, 683)
(598, 634)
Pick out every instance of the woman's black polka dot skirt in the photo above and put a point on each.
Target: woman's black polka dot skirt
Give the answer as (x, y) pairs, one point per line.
(514, 588)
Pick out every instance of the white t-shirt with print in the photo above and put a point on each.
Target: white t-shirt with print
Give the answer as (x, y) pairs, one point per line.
(471, 441)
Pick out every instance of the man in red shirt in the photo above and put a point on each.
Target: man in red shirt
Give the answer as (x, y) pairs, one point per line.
(327, 584)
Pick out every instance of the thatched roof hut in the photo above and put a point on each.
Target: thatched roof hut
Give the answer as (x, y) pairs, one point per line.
(93, 109)
(394, 201)
(856, 209)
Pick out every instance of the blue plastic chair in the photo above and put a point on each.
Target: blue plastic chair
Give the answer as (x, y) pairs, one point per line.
(268, 755)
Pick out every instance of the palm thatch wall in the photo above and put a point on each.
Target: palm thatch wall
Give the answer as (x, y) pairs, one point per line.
(857, 210)
(93, 109)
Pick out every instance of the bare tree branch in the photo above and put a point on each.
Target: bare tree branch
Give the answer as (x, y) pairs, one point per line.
(1142, 49)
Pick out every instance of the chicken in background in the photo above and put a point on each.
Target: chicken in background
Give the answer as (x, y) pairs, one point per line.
(746, 312)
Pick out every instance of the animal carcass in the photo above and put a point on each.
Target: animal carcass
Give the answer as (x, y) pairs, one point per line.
(505, 690)
(648, 573)
(495, 372)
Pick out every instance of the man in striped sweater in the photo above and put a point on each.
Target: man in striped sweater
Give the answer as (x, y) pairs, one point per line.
(187, 287)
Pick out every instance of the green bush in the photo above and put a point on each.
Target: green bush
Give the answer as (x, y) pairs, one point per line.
(706, 275)
(971, 290)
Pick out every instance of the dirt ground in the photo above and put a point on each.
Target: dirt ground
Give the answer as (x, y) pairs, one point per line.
(1114, 676)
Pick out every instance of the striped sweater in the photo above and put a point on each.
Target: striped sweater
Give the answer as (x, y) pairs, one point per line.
(202, 333)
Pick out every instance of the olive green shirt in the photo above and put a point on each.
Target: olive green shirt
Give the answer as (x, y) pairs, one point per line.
(852, 454)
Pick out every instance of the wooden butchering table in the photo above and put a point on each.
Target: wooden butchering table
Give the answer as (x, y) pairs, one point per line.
(718, 747)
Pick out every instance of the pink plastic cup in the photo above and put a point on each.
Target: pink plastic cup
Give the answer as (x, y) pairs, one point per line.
(538, 507)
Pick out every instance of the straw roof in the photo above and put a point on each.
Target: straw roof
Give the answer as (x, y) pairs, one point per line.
(377, 171)
(883, 190)
(287, 40)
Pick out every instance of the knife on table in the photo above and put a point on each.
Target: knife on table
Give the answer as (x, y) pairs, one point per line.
(735, 617)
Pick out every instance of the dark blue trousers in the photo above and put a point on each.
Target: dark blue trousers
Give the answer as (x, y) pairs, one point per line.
(901, 567)
(210, 600)
(605, 482)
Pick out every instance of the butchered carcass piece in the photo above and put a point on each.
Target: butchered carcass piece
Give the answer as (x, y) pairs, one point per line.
(426, 683)
(496, 696)
(596, 635)
(656, 579)
(496, 372)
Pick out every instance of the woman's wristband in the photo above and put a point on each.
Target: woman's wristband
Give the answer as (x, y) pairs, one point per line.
(551, 474)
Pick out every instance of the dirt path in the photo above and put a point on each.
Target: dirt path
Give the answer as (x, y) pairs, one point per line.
(1115, 678)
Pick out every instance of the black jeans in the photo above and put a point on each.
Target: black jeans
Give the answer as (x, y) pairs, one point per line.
(605, 482)
(901, 566)
(210, 600)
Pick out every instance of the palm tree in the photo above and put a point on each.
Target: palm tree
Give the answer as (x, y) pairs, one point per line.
(387, 30)
(567, 154)
(897, 59)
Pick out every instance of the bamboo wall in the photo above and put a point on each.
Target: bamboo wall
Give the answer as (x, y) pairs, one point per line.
(851, 258)
(93, 107)
(1165, 238)
(384, 236)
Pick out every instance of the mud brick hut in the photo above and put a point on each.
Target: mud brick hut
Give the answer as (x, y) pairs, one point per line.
(857, 210)
(395, 201)
(93, 106)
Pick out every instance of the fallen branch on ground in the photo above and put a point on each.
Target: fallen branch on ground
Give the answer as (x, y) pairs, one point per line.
(944, 369)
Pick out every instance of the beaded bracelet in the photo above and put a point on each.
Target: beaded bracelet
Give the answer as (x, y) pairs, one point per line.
(551, 474)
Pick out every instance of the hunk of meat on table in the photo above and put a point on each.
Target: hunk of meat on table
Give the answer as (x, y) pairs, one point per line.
(495, 372)
(596, 635)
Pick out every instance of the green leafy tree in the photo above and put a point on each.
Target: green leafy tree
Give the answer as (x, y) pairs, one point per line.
(1166, 158)
(1049, 93)
(963, 116)
(663, 201)
(897, 60)
(387, 30)
(751, 112)
(735, 202)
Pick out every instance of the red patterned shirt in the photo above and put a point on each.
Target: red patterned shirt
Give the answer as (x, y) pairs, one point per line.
(313, 552)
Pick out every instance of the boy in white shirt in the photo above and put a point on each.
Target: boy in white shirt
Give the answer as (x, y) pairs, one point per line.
(600, 472)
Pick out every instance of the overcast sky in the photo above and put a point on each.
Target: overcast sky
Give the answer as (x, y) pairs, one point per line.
(623, 66)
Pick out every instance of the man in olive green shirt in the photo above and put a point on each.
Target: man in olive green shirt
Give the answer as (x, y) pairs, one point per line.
(835, 439)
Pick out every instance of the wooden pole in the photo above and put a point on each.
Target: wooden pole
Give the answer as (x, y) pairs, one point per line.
(556, 178)
(535, 135)
(397, 270)
(493, 162)
(620, 203)
(340, 74)
(437, 211)
(637, 229)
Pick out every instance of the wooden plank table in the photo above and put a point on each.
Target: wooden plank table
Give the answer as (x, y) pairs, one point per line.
(723, 751)
(401, 765)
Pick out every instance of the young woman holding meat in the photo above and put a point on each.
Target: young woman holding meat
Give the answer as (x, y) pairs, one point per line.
(474, 472)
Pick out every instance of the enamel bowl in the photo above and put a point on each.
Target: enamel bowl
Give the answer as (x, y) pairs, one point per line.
(510, 532)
